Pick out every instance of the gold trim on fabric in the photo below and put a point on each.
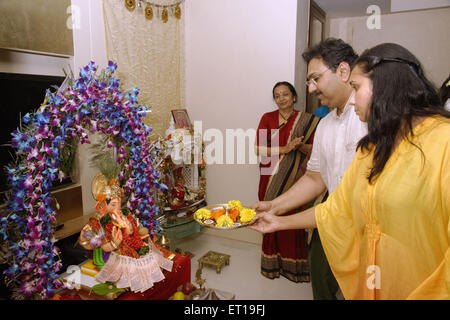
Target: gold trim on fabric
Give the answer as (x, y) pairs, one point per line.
(287, 267)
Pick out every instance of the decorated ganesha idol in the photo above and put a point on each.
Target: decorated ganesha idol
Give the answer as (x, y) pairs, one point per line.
(122, 249)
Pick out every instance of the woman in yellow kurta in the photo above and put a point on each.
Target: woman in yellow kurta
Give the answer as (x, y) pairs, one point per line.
(386, 228)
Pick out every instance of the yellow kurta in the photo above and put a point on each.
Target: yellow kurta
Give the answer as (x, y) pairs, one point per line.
(390, 240)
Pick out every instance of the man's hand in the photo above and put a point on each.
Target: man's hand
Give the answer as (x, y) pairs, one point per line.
(262, 206)
(266, 207)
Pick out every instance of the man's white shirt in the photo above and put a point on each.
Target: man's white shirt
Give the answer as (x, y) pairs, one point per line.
(335, 144)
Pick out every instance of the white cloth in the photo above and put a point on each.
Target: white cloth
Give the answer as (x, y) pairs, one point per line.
(447, 105)
(335, 144)
(136, 274)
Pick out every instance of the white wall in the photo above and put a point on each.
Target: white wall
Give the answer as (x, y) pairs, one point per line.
(403, 5)
(235, 52)
(89, 45)
(424, 33)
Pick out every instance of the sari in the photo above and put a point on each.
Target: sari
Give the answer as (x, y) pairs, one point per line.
(284, 252)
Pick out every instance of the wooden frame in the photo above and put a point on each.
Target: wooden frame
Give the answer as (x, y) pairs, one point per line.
(181, 119)
(315, 13)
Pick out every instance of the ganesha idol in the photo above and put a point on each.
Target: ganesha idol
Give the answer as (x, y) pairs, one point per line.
(122, 249)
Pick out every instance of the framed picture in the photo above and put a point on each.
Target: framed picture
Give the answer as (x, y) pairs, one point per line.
(181, 119)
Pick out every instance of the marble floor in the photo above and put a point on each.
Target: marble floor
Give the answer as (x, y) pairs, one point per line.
(242, 277)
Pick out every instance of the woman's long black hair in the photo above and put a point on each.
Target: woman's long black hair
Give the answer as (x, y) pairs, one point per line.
(401, 92)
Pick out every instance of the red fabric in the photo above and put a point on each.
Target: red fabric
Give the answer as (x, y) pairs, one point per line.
(163, 290)
(266, 130)
(288, 243)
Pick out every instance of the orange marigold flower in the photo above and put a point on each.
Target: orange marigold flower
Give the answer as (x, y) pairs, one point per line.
(101, 197)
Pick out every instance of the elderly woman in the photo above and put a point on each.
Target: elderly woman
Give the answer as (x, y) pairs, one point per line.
(284, 156)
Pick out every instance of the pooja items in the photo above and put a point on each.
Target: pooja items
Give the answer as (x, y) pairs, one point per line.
(225, 216)
(215, 260)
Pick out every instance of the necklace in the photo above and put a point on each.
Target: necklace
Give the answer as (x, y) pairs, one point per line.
(285, 119)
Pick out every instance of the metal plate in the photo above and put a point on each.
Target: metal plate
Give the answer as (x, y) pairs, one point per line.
(210, 223)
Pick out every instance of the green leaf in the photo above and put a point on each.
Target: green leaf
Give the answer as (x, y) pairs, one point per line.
(104, 288)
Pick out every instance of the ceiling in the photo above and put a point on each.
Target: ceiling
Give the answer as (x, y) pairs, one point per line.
(358, 8)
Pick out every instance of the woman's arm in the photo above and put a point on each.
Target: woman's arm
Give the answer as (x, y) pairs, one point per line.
(267, 223)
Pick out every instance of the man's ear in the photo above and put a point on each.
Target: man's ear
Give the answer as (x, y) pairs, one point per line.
(343, 71)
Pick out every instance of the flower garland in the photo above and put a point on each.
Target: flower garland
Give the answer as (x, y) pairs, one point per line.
(92, 103)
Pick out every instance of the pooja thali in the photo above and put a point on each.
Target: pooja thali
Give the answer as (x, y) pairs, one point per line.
(225, 216)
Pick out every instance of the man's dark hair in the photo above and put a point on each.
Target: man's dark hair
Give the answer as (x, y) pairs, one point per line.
(332, 51)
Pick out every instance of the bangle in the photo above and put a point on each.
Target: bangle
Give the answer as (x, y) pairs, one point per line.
(113, 244)
(84, 243)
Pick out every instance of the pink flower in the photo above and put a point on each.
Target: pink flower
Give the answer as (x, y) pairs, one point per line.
(31, 166)
(33, 154)
(56, 122)
(29, 183)
(94, 125)
(42, 133)
(28, 287)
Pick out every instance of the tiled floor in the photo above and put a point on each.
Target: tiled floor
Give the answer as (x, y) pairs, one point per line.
(242, 277)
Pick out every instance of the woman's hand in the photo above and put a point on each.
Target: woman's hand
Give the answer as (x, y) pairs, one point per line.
(292, 145)
(266, 223)
(305, 148)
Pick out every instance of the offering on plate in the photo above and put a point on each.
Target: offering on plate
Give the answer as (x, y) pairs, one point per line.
(225, 216)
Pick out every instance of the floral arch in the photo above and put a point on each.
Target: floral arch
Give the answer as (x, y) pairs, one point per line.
(92, 103)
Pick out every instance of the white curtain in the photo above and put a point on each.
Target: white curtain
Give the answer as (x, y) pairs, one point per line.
(149, 55)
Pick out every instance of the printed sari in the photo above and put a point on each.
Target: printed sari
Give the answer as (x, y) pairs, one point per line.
(284, 252)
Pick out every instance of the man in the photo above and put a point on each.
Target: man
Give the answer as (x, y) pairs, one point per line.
(336, 137)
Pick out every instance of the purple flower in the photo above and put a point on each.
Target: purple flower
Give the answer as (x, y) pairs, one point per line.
(90, 103)
(95, 242)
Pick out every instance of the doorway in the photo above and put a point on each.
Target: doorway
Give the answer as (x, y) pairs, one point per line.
(317, 18)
